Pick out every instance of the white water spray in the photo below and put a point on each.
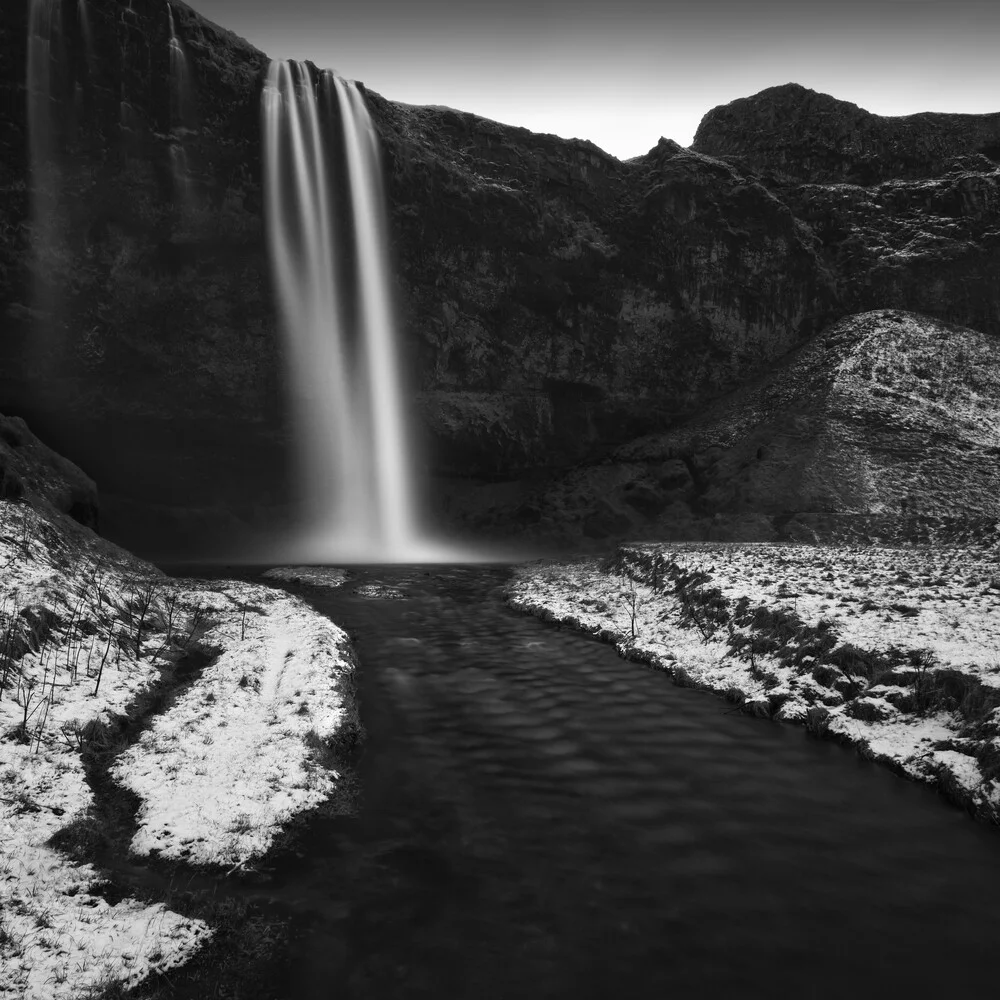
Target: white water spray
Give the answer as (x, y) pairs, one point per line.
(181, 90)
(182, 114)
(327, 236)
(86, 33)
(44, 31)
(387, 448)
(42, 26)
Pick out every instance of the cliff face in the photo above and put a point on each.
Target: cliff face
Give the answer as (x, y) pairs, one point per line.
(884, 425)
(30, 472)
(907, 210)
(556, 302)
(135, 302)
(575, 299)
(791, 133)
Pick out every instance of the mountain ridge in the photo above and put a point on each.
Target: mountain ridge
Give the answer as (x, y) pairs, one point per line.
(795, 134)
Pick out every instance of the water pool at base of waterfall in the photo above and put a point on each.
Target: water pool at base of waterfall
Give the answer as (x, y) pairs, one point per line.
(539, 818)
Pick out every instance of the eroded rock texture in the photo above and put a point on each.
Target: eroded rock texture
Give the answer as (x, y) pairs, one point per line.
(31, 472)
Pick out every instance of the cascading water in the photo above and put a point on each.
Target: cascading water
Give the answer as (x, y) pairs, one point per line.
(43, 24)
(327, 235)
(86, 33)
(45, 31)
(181, 113)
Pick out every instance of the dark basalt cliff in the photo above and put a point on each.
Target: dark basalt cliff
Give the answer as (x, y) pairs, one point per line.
(556, 302)
(137, 328)
(31, 472)
(882, 426)
(562, 301)
(791, 133)
(907, 210)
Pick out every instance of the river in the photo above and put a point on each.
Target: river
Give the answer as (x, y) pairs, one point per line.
(542, 819)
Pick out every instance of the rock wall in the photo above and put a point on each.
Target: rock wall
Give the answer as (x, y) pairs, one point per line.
(556, 302)
(907, 209)
(31, 472)
(883, 426)
(137, 332)
(792, 133)
(577, 299)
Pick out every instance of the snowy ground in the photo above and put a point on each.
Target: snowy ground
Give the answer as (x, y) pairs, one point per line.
(313, 576)
(87, 634)
(894, 650)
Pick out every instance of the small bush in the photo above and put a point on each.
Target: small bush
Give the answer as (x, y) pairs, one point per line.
(82, 839)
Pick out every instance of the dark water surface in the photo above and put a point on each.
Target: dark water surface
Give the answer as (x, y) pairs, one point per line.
(541, 819)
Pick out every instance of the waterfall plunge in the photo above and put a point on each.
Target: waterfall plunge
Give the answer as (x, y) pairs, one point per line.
(325, 215)
(182, 115)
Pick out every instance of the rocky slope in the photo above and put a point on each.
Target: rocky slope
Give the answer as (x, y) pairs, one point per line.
(884, 425)
(30, 470)
(556, 302)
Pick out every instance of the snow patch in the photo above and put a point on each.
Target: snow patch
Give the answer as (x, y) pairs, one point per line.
(313, 576)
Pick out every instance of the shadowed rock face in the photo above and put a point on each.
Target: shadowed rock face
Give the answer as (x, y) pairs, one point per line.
(557, 302)
(577, 299)
(906, 210)
(883, 425)
(30, 471)
(791, 133)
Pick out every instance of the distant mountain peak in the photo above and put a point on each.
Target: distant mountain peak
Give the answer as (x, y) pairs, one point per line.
(793, 133)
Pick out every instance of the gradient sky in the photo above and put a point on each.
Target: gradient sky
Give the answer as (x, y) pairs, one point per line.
(624, 73)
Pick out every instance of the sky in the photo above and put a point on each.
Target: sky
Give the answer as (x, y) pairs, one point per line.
(622, 73)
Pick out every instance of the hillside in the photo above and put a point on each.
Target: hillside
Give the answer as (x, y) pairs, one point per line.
(885, 424)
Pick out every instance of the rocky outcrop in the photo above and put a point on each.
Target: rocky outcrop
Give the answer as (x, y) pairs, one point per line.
(792, 133)
(557, 303)
(579, 299)
(884, 425)
(929, 245)
(907, 209)
(32, 472)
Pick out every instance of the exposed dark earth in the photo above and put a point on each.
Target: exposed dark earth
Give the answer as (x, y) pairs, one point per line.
(558, 304)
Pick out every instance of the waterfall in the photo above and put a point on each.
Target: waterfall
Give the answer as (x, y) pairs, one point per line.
(45, 30)
(182, 113)
(43, 18)
(327, 234)
(87, 34)
(181, 91)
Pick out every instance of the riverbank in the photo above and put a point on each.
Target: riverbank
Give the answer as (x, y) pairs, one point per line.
(896, 651)
(181, 721)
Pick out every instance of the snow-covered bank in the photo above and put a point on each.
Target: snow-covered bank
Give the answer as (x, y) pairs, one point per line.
(313, 576)
(250, 685)
(235, 757)
(894, 650)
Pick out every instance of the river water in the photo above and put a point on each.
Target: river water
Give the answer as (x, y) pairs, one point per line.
(541, 819)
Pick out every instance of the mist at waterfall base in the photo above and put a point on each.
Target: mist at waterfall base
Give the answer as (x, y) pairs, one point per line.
(327, 237)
